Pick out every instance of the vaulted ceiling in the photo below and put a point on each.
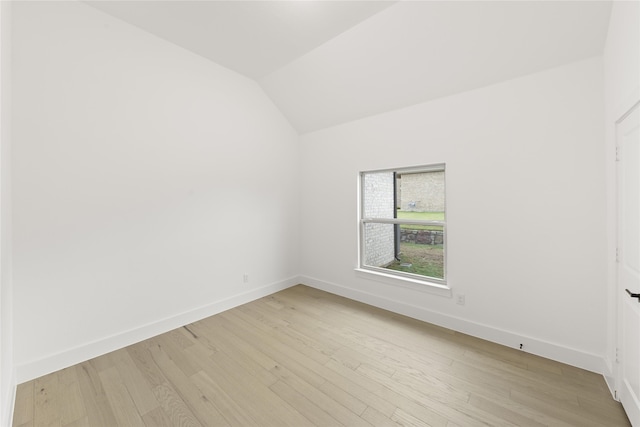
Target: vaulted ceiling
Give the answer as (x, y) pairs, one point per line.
(328, 62)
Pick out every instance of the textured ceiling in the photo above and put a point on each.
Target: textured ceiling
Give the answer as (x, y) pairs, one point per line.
(328, 62)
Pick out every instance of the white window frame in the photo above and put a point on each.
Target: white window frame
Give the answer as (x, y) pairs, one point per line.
(411, 280)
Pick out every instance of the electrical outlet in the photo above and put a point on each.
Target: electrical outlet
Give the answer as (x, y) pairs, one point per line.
(245, 278)
(460, 299)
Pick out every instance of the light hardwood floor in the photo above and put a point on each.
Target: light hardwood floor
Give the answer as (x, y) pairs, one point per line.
(305, 357)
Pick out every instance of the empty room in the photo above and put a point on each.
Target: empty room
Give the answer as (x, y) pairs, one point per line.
(319, 213)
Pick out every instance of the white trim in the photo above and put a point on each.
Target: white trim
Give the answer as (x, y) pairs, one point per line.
(436, 167)
(394, 277)
(609, 377)
(621, 387)
(35, 368)
(616, 113)
(626, 105)
(398, 278)
(624, 116)
(53, 362)
(401, 221)
(554, 351)
(7, 407)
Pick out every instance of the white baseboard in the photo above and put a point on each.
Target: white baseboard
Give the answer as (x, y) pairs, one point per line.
(553, 351)
(609, 377)
(53, 362)
(6, 408)
(36, 368)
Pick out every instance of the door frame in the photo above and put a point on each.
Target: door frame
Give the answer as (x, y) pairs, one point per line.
(618, 299)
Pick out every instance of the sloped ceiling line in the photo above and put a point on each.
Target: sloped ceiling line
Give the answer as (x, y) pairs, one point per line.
(328, 62)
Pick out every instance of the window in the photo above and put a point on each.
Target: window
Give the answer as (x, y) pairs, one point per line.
(403, 222)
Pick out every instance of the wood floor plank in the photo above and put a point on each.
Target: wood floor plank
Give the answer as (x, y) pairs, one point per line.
(101, 363)
(543, 380)
(335, 324)
(266, 408)
(141, 357)
(564, 413)
(47, 401)
(299, 342)
(405, 419)
(607, 410)
(316, 415)
(156, 418)
(204, 410)
(242, 386)
(520, 378)
(447, 405)
(282, 354)
(304, 357)
(383, 398)
(24, 407)
(343, 397)
(137, 387)
(122, 405)
(82, 422)
(215, 328)
(322, 400)
(96, 404)
(383, 325)
(174, 407)
(232, 411)
(378, 419)
(515, 417)
(252, 361)
(320, 350)
(165, 394)
(345, 379)
(176, 353)
(180, 338)
(72, 407)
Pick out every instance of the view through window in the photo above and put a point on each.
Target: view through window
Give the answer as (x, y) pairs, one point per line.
(403, 222)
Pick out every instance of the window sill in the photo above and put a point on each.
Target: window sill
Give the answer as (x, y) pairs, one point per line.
(405, 282)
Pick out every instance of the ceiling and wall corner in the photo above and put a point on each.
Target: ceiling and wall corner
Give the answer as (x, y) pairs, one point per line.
(324, 63)
(253, 38)
(147, 182)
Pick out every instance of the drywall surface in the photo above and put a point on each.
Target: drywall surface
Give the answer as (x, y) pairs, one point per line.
(525, 208)
(622, 91)
(622, 58)
(134, 163)
(7, 378)
(416, 51)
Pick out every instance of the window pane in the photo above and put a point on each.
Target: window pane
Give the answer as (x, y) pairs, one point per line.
(379, 244)
(413, 194)
(420, 249)
(377, 191)
(422, 192)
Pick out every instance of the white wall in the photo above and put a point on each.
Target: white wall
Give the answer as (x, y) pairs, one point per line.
(7, 378)
(622, 91)
(526, 209)
(146, 182)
